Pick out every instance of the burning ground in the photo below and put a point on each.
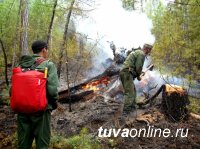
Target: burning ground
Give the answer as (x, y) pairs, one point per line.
(95, 113)
(98, 102)
(103, 108)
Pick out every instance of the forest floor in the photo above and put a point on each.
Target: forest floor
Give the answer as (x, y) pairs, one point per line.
(98, 113)
(95, 113)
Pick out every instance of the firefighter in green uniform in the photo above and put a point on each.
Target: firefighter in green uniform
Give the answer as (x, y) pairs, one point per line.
(131, 69)
(37, 126)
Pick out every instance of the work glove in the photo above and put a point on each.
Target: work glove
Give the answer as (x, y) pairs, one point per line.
(139, 78)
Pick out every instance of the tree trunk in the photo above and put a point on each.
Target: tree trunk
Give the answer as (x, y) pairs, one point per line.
(51, 24)
(16, 38)
(62, 48)
(5, 61)
(64, 43)
(81, 46)
(24, 27)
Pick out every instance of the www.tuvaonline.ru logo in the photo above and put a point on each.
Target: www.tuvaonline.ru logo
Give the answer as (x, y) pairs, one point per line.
(142, 132)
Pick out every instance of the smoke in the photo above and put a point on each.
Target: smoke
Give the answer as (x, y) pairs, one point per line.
(125, 28)
(100, 63)
(153, 80)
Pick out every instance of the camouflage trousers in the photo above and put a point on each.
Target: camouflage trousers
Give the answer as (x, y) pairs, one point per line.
(129, 89)
(34, 126)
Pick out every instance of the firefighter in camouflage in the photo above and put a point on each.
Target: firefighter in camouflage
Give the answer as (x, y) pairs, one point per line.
(131, 69)
(37, 125)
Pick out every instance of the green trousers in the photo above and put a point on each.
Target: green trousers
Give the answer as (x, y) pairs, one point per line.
(35, 126)
(129, 89)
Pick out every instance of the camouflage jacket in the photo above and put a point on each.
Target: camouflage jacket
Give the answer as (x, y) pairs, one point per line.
(134, 62)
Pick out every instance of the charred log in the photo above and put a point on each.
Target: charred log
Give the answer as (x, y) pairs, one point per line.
(64, 98)
(75, 90)
(109, 72)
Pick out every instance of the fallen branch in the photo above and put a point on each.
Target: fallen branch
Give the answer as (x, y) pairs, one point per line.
(195, 116)
(64, 98)
(153, 97)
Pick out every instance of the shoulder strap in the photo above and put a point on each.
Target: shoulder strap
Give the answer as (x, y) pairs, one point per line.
(38, 62)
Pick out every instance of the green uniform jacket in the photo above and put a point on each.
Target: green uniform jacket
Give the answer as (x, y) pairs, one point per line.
(134, 62)
(52, 77)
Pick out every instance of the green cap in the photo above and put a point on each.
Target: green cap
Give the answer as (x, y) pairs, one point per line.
(149, 46)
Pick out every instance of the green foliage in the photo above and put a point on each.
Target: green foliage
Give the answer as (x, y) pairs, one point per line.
(136, 4)
(39, 19)
(128, 4)
(40, 13)
(4, 96)
(194, 105)
(111, 143)
(8, 19)
(81, 141)
(176, 29)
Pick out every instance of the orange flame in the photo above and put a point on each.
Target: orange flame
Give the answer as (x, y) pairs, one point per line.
(97, 84)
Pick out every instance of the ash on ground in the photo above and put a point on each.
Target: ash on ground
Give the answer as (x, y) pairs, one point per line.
(98, 112)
